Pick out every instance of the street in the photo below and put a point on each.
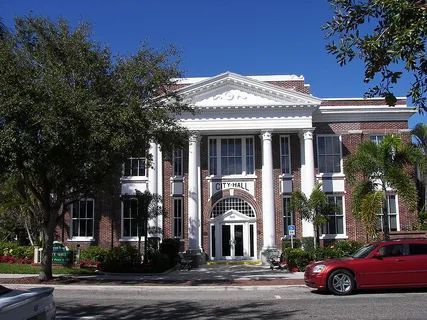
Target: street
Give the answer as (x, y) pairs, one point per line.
(235, 303)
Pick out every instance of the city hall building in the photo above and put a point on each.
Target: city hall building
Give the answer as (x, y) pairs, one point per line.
(256, 139)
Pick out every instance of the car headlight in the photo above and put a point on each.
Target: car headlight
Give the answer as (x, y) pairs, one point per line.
(319, 268)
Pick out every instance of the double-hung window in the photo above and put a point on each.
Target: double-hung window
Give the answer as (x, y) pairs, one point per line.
(329, 154)
(335, 224)
(231, 156)
(178, 163)
(376, 138)
(392, 214)
(178, 217)
(285, 155)
(129, 218)
(82, 218)
(288, 217)
(135, 167)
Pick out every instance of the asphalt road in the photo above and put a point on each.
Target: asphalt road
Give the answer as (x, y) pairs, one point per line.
(235, 303)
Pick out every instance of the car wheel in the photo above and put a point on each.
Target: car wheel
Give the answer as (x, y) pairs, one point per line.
(341, 282)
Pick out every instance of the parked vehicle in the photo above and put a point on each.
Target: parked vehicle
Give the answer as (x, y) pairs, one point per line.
(385, 264)
(28, 304)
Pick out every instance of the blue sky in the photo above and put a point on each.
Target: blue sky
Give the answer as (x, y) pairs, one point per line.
(249, 37)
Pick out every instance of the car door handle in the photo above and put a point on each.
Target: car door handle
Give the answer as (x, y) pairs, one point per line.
(400, 260)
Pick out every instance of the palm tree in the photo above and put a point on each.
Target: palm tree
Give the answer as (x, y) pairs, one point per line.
(419, 132)
(372, 170)
(314, 209)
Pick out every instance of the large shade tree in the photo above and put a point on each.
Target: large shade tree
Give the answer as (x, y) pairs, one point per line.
(389, 36)
(373, 170)
(70, 113)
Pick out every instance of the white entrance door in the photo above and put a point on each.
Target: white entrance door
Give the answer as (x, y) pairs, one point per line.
(233, 240)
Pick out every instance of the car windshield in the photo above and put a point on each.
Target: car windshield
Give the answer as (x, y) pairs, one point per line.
(364, 251)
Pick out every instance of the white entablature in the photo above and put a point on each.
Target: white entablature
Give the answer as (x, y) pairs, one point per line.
(230, 90)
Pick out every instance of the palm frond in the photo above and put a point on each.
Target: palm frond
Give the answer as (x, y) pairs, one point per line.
(371, 206)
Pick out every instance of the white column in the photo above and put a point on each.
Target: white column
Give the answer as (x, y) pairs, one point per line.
(268, 192)
(307, 176)
(152, 180)
(159, 187)
(193, 194)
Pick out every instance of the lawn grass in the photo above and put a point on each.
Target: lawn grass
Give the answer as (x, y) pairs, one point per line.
(15, 268)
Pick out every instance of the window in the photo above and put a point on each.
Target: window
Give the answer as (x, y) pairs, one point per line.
(178, 163)
(394, 250)
(129, 223)
(392, 214)
(329, 154)
(178, 211)
(376, 138)
(231, 156)
(228, 204)
(335, 225)
(288, 217)
(416, 249)
(134, 167)
(82, 222)
(285, 155)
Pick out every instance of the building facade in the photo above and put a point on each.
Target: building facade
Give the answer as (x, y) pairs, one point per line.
(255, 140)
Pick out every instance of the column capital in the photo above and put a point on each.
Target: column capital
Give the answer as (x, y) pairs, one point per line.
(195, 137)
(307, 133)
(266, 134)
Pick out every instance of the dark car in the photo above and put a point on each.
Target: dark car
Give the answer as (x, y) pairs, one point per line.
(385, 264)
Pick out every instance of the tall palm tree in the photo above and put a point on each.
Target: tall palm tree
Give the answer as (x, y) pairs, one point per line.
(372, 170)
(419, 132)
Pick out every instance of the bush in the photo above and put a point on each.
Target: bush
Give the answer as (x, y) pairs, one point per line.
(286, 243)
(13, 249)
(297, 259)
(120, 259)
(94, 254)
(160, 262)
(307, 243)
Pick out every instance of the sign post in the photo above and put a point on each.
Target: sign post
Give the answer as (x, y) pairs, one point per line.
(291, 231)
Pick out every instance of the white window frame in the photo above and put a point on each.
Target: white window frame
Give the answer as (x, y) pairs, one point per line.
(340, 153)
(286, 217)
(218, 156)
(339, 235)
(132, 237)
(396, 214)
(375, 137)
(283, 155)
(178, 163)
(139, 159)
(178, 216)
(72, 218)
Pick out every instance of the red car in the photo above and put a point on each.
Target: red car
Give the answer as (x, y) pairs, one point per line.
(385, 264)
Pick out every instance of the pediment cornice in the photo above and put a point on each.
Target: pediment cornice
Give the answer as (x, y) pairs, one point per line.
(230, 89)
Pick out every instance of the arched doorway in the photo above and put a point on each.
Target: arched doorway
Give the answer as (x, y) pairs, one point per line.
(232, 230)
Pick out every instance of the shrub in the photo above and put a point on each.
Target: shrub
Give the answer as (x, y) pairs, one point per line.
(160, 262)
(286, 243)
(120, 259)
(17, 251)
(94, 253)
(297, 259)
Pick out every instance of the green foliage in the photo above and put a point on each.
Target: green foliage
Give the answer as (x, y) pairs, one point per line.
(298, 259)
(160, 262)
(93, 253)
(422, 219)
(120, 259)
(286, 243)
(370, 169)
(71, 113)
(13, 249)
(307, 243)
(389, 36)
(29, 269)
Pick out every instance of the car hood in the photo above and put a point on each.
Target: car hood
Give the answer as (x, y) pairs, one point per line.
(332, 261)
(14, 297)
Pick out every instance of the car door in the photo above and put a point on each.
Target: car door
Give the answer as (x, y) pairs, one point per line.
(385, 267)
(417, 263)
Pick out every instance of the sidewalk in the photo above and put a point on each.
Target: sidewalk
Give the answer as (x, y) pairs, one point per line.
(205, 275)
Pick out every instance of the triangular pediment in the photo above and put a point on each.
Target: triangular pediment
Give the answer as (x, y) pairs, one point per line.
(233, 90)
(233, 216)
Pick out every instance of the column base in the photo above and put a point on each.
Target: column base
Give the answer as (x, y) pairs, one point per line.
(197, 255)
(266, 253)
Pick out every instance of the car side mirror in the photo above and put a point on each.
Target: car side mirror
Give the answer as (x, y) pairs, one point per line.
(377, 255)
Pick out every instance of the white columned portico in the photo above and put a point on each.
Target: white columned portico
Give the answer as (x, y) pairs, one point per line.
(153, 179)
(307, 174)
(268, 192)
(193, 194)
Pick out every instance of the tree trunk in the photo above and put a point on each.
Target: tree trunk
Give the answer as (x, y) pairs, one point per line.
(46, 254)
(28, 232)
